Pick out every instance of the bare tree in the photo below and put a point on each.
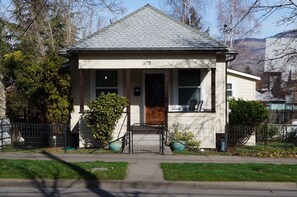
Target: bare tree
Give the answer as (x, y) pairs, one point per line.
(281, 49)
(187, 11)
(235, 18)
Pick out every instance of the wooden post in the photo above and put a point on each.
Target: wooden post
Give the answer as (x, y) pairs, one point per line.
(213, 89)
(128, 96)
(81, 90)
(127, 87)
(166, 96)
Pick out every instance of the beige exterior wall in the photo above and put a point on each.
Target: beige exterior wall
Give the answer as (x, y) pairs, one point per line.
(205, 125)
(242, 87)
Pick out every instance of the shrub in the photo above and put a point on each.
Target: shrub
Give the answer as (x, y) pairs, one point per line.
(265, 132)
(244, 119)
(104, 113)
(182, 133)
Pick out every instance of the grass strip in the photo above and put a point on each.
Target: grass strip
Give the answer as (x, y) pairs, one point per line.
(229, 172)
(57, 169)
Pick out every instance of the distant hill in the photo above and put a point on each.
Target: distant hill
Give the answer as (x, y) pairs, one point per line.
(251, 53)
(286, 34)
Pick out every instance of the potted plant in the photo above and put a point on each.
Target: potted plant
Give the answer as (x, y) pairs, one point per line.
(103, 115)
(181, 138)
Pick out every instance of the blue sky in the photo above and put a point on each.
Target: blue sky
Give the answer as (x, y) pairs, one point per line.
(268, 27)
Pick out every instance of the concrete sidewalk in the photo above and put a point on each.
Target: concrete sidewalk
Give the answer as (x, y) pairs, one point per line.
(144, 170)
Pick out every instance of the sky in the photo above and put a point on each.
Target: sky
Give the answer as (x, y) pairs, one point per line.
(268, 26)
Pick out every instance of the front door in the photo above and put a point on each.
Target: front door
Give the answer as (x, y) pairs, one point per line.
(154, 99)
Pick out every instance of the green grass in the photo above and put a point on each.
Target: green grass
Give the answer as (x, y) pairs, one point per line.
(272, 149)
(58, 150)
(229, 172)
(56, 169)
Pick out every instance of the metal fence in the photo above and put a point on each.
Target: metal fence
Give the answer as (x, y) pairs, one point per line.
(241, 134)
(146, 139)
(36, 135)
(281, 116)
(286, 133)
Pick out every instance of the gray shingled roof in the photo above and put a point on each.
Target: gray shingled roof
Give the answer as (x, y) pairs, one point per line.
(148, 29)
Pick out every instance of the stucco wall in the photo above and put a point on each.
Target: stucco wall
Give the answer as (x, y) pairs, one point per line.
(205, 125)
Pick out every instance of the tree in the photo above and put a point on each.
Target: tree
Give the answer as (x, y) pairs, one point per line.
(281, 49)
(33, 72)
(187, 11)
(236, 19)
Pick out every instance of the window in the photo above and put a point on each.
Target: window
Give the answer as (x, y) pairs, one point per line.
(229, 90)
(188, 86)
(106, 81)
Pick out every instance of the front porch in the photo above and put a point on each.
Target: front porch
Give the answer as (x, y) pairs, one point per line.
(167, 104)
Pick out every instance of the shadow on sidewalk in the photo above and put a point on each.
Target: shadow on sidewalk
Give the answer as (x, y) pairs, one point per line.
(52, 188)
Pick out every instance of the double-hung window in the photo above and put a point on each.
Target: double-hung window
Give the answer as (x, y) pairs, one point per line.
(229, 90)
(106, 81)
(188, 87)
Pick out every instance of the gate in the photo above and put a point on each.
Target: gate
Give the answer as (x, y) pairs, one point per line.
(144, 138)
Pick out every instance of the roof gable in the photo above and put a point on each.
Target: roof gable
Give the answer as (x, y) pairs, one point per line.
(148, 29)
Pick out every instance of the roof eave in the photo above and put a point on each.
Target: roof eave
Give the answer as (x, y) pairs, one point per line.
(94, 50)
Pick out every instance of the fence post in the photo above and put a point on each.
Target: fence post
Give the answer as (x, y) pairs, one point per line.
(286, 137)
(226, 137)
(65, 140)
(1, 135)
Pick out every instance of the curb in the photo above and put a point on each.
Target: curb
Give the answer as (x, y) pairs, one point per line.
(67, 183)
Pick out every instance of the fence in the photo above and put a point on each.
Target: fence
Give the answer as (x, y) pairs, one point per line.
(240, 134)
(36, 135)
(281, 116)
(146, 139)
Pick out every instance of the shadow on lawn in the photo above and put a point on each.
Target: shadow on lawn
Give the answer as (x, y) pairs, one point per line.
(48, 188)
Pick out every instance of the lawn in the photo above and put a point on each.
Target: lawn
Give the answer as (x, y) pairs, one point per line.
(229, 172)
(56, 169)
(272, 149)
(57, 150)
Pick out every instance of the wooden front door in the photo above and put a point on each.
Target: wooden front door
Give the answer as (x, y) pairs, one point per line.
(154, 99)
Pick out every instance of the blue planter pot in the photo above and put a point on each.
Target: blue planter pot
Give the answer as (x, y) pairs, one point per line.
(178, 146)
(115, 146)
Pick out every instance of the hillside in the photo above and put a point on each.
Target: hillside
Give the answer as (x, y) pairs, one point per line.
(251, 54)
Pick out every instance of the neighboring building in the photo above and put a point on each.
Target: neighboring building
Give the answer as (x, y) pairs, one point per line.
(241, 85)
(169, 72)
(279, 81)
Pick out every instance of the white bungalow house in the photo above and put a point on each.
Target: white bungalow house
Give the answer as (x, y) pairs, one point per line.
(169, 72)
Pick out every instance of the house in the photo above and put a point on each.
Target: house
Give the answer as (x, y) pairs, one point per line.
(169, 72)
(241, 85)
(279, 90)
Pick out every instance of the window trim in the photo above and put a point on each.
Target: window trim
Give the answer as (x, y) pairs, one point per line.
(93, 88)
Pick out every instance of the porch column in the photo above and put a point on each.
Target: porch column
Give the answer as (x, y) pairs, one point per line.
(128, 93)
(166, 96)
(81, 90)
(213, 89)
